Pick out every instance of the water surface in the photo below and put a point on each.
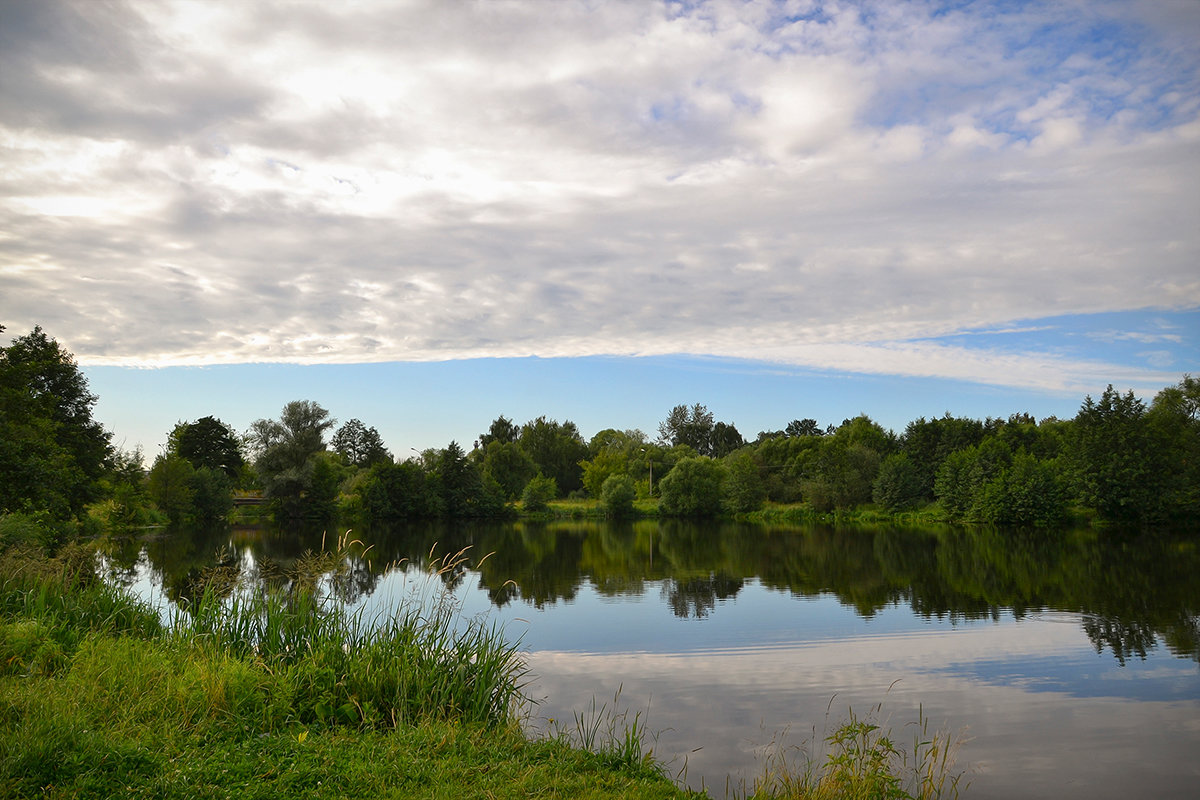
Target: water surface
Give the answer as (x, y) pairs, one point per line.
(1067, 662)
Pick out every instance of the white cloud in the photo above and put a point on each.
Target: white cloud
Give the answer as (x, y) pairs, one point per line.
(416, 181)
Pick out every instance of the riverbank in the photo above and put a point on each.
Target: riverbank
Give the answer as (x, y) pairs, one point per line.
(279, 699)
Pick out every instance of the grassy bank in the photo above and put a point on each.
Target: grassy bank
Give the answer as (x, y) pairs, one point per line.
(268, 695)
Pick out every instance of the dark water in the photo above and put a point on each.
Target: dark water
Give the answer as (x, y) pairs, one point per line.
(1067, 662)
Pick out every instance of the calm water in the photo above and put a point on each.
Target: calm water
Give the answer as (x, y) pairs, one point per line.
(1070, 663)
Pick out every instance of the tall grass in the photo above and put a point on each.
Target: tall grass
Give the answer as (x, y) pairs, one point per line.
(424, 660)
(862, 760)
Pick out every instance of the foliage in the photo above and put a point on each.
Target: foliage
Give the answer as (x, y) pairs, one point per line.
(688, 426)
(502, 431)
(399, 491)
(743, 489)
(617, 495)
(538, 492)
(53, 455)
(556, 449)
(1028, 492)
(209, 442)
(899, 486)
(1118, 463)
(359, 445)
(510, 467)
(285, 461)
(724, 440)
(692, 487)
(170, 485)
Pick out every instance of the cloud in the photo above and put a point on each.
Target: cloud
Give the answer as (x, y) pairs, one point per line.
(827, 186)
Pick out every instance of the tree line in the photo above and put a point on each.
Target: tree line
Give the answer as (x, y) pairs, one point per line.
(1119, 460)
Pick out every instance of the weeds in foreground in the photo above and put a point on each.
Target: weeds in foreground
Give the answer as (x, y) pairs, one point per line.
(611, 735)
(863, 761)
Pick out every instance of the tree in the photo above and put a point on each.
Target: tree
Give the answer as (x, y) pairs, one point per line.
(743, 489)
(1175, 418)
(692, 488)
(556, 450)
(724, 440)
(899, 486)
(359, 445)
(540, 491)
(803, 427)
(170, 484)
(209, 442)
(502, 430)
(53, 455)
(399, 491)
(285, 453)
(688, 426)
(508, 466)
(1118, 465)
(617, 495)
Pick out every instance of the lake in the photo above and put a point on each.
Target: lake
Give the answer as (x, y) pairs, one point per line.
(1067, 662)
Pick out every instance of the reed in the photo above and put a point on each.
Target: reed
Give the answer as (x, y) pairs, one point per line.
(424, 660)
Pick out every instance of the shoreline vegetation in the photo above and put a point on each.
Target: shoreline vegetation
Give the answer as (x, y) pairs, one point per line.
(279, 691)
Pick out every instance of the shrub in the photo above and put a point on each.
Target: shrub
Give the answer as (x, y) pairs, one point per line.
(539, 492)
(617, 494)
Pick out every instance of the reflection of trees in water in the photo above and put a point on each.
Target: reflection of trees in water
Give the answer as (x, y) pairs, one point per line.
(1126, 638)
(1133, 588)
(697, 596)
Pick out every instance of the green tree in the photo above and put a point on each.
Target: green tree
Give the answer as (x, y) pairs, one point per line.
(899, 486)
(743, 489)
(285, 453)
(502, 430)
(1027, 492)
(688, 426)
(556, 449)
(1118, 465)
(171, 486)
(617, 495)
(1174, 417)
(359, 445)
(399, 491)
(53, 455)
(724, 440)
(803, 427)
(539, 492)
(209, 442)
(510, 467)
(692, 488)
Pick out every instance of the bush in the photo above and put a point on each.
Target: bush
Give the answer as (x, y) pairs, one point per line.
(617, 494)
(539, 492)
(692, 488)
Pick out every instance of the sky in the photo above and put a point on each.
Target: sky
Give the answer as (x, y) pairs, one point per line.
(427, 214)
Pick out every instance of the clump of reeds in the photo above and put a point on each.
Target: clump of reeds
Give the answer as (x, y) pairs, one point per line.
(424, 660)
(864, 761)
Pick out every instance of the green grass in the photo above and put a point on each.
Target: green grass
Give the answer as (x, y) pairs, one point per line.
(272, 693)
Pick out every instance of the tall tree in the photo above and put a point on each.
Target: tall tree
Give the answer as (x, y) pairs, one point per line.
(1118, 468)
(209, 442)
(285, 452)
(690, 426)
(359, 445)
(52, 453)
(556, 448)
(502, 430)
